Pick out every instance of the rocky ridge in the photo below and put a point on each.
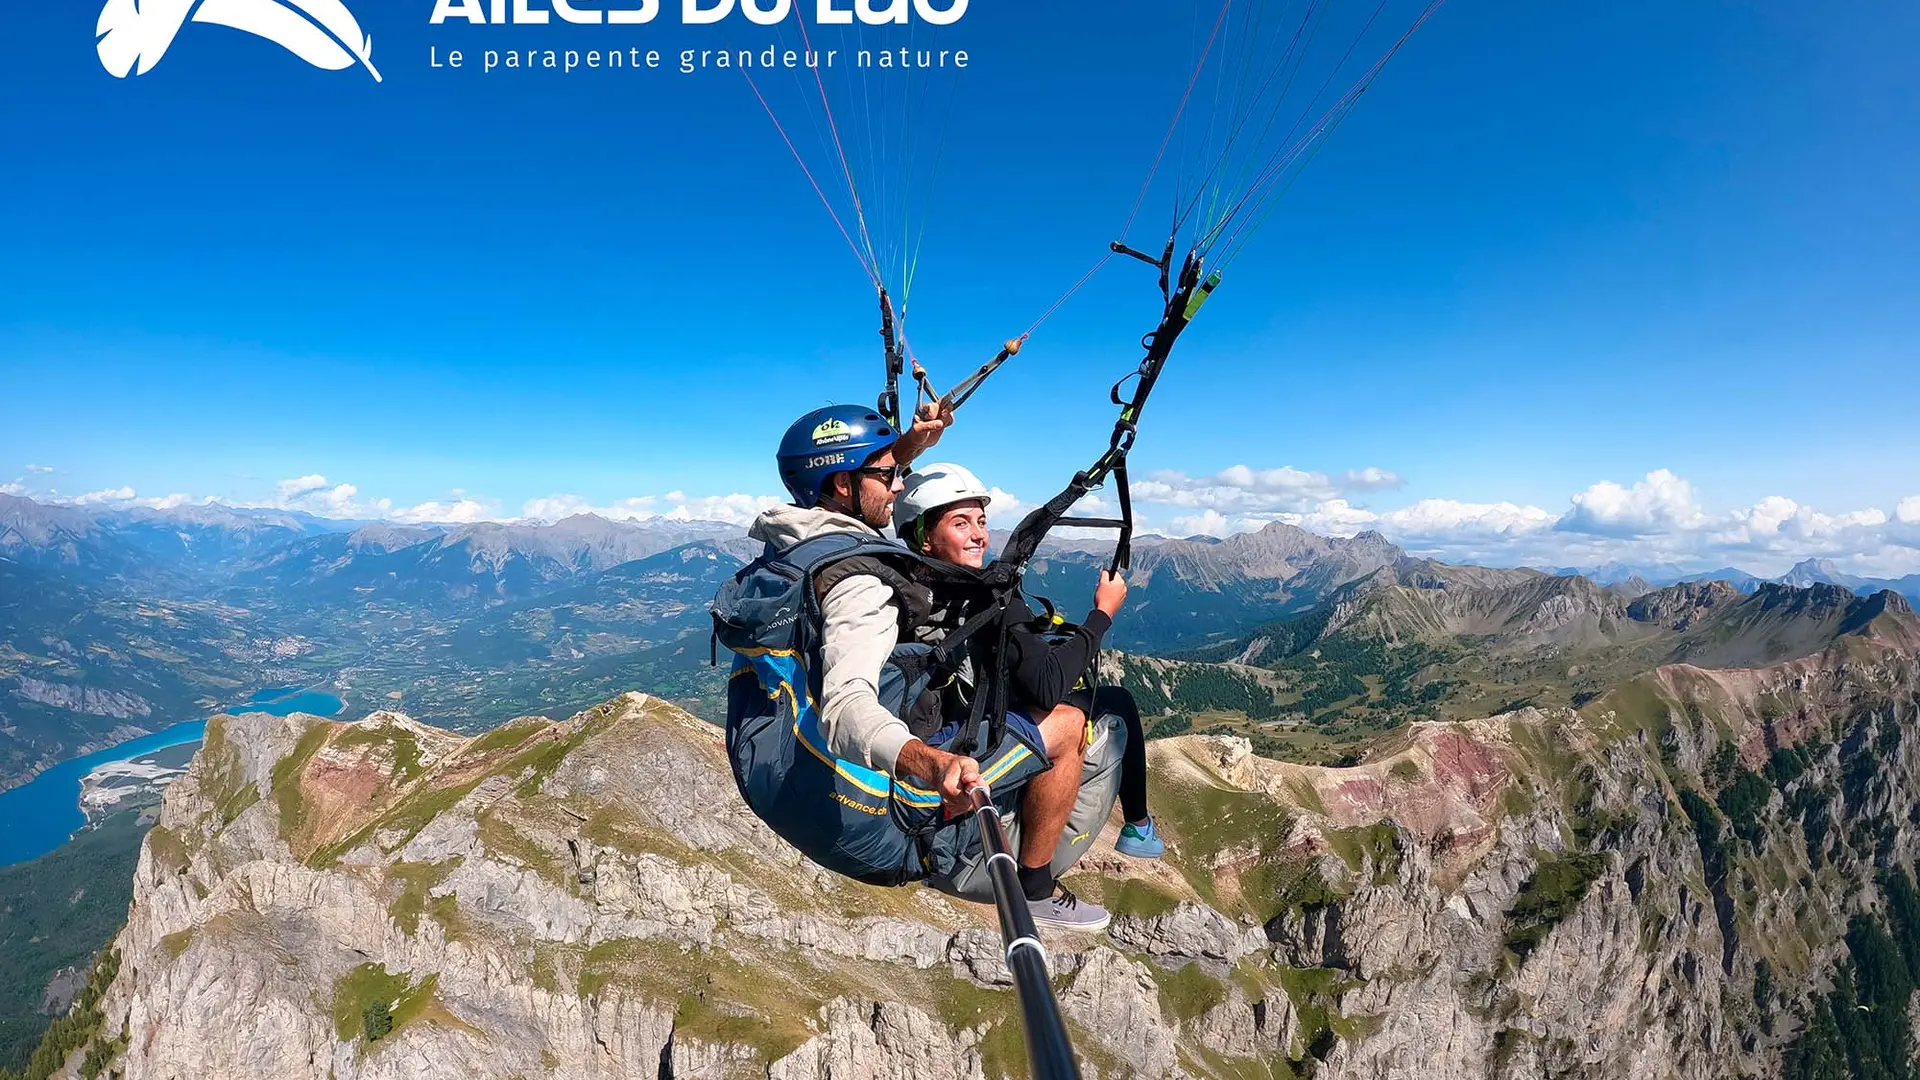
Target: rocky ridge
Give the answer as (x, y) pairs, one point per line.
(1517, 896)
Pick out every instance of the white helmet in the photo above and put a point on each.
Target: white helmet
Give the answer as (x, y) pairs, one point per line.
(933, 487)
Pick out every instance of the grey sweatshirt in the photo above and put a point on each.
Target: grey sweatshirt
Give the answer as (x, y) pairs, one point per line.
(862, 627)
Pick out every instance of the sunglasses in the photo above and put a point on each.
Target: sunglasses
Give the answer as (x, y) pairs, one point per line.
(886, 474)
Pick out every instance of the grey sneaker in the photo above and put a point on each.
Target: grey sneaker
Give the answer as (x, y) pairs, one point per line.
(1065, 911)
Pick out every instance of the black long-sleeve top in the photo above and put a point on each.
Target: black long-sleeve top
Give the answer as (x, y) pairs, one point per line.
(1043, 673)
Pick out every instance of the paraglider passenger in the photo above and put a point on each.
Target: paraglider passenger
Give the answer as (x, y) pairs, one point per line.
(942, 513)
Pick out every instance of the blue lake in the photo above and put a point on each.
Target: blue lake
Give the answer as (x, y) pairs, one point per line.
(43, 813)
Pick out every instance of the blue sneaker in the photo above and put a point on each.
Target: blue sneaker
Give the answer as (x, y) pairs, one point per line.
(1141, 842)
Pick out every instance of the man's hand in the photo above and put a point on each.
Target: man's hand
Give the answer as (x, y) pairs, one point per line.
(934, 418)
(952, 775)
(1110, 593)
(958, 777)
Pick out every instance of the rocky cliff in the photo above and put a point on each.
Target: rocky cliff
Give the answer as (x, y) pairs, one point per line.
(1656, 885)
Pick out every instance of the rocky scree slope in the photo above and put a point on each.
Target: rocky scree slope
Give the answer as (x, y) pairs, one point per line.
(1637, 889)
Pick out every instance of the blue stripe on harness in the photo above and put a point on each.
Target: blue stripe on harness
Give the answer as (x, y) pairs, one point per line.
(848, 818)
(782, 673)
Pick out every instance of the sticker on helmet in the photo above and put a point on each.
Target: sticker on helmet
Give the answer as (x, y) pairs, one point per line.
(831, 431)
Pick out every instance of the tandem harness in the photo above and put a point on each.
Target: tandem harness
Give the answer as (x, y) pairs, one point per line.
(861, 823)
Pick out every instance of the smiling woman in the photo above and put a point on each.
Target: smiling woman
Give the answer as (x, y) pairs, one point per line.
(944, 486)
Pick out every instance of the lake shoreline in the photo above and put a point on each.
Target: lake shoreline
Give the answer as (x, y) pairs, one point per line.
(44, 813)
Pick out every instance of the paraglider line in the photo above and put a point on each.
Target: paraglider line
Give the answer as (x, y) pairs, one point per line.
(824, 201)
(1068, 295)
(1174, 126)
(939, 157)
(859, 211)
(1251, 107)
(1285, 156)
(1331, 119)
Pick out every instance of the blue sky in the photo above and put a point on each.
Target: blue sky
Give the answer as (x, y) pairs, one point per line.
(1604, 281)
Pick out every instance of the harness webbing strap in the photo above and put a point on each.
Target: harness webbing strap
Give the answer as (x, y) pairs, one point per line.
(1123, 551)
(950, 646)
(889, 403)
(1184, 297)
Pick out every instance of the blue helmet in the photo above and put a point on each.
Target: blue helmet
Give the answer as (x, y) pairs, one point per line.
(835, 439)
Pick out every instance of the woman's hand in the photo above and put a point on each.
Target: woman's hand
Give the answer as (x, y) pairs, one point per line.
(1110, 593)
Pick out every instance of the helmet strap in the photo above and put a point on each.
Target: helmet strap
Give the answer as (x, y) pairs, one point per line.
(832, 502)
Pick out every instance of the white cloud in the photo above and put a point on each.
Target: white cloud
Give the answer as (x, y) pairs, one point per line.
(1335, 517)
(1661, 503)
(1248, 497)
(1765, 517)
(1436, 527)
(1904, 529)
(457, 512)
(124, 497)
(1371, 479)
(1893, 561)
(315, 494)
(558, 507)
(1206, 523)
(1659, 519)
(1096, 504)
(1778, 523)
(1006, 506)
(293, 489)
(735, 509)
(1237, 489)
(40, 468)
(1449, 517)
(336, 501)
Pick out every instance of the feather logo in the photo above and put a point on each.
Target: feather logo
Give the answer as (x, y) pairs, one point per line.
(135, 34)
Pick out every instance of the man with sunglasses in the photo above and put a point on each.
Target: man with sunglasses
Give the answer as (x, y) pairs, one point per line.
(843, 465)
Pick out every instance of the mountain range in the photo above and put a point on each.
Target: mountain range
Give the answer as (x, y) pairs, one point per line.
(1700, 873)
(1803, 573)
(1422, 640)
(1425, 819)
(118, 621)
